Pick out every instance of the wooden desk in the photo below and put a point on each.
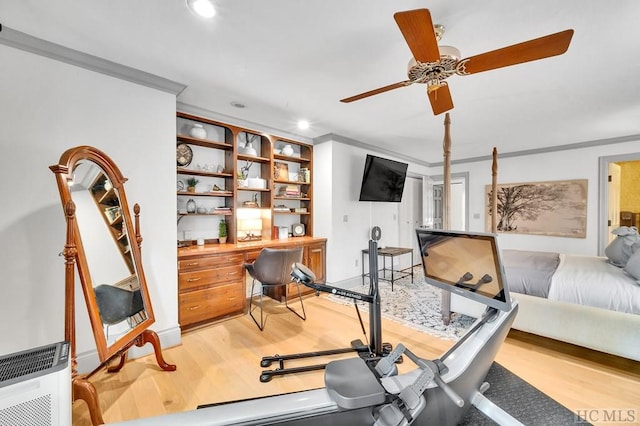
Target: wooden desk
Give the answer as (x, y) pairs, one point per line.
(211, 278)
(395, 274)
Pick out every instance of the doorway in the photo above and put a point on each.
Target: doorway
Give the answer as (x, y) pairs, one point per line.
(433, 194)
(612, 187)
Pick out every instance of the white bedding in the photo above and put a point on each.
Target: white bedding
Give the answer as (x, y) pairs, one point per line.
(592, 281)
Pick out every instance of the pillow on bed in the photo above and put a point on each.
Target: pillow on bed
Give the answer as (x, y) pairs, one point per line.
(633, 266)
(626, 243)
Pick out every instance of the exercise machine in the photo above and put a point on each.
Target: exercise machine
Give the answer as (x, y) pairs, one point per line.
(371, 392)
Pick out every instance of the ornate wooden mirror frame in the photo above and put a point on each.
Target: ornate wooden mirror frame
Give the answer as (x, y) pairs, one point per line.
(109, 264)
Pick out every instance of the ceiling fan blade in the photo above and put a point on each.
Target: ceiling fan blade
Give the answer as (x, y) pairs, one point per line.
(440, 100)
(539, 48)
(417, 29)
(376, 91)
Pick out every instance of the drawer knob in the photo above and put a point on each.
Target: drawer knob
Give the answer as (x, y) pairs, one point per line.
(193, 264)
(193, 308)
(193, 279)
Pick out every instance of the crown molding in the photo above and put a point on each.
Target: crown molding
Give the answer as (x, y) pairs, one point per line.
(522, 153)
(38, 46)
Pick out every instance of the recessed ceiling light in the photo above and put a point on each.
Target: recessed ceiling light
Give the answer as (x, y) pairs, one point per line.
(202, 8)
(303, 124)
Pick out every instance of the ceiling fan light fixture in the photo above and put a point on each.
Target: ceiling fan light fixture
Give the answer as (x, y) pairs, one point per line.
(434, 85)
(202, 8)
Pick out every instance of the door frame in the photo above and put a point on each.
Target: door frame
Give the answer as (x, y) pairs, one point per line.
(407, 231)
(603, 194)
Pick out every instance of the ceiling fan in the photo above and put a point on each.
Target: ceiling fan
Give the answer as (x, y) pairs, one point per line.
(432, 64)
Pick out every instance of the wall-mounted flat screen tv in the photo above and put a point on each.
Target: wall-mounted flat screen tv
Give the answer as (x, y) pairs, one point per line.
(383, 179)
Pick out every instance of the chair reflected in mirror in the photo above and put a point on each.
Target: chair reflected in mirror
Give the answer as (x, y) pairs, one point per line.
(117, 305)
(272, 269)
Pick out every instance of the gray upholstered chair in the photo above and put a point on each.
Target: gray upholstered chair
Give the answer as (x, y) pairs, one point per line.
(117, 304)
(272, 268)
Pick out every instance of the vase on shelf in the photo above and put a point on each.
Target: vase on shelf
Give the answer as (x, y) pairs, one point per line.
(287, 150)
(249, 149)
(198, 131)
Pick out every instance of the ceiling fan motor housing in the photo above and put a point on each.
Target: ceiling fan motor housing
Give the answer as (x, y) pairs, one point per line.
(433, 73)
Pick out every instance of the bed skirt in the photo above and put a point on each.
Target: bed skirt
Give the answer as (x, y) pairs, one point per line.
(594, 328)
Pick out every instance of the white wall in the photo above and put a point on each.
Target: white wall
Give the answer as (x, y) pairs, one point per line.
(339, 184)
(560, 165)
(338, 171)
(47, 107)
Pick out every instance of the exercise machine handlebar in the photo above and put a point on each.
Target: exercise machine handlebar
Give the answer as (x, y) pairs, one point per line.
(302, 274)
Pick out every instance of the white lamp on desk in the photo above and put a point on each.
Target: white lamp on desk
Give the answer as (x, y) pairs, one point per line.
(252, 229)
(249, 224)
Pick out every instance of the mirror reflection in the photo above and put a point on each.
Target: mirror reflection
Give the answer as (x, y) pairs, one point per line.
(108, 250)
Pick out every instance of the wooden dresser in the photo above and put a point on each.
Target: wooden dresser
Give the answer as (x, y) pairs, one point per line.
(211, 278)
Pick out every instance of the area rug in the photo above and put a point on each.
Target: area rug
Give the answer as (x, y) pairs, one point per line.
(414, 304)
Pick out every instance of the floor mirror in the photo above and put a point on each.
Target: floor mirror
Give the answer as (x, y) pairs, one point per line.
(103, 243)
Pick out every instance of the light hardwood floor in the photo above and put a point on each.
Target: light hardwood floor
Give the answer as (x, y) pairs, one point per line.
(221, 362)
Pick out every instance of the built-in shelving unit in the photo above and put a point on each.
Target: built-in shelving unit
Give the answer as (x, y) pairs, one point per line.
(241, 181)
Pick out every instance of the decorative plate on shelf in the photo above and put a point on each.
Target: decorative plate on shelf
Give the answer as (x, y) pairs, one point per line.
(184, 155)
(180, 185)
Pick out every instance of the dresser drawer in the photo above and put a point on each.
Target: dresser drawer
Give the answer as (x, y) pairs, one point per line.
(205, 277)
(202, 305)
(210, 261)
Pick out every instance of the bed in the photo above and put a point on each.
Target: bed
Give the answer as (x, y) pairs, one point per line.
(583, 300)
(573, 303)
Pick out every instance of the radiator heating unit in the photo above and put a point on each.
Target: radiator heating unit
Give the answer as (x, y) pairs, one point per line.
(35, 387)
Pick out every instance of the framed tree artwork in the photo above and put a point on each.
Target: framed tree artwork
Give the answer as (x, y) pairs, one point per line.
(553, 208)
